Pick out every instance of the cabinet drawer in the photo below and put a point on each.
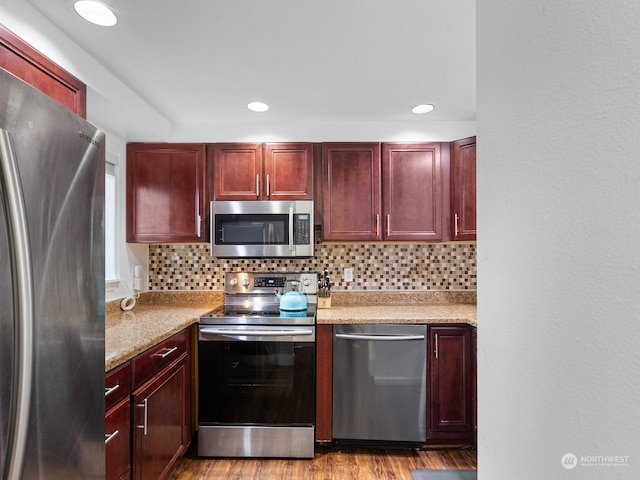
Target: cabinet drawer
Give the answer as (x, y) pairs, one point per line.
(156, 358)
(117, 385)
(118, 441)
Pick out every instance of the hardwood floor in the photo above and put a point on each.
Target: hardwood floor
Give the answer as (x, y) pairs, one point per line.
(328, 464)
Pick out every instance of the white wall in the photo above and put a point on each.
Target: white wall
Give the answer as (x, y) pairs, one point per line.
(110, 102)
(558, 230)
(310, 131)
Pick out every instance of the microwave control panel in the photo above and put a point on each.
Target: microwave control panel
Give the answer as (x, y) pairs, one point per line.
(302, 229)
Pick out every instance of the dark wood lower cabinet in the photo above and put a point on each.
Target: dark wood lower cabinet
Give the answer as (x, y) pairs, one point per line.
(118, 441)
(474, 401)
(451, 385)
(160, 423)
(324, 382)
(148, 424)
(450, 392)
(117, 422)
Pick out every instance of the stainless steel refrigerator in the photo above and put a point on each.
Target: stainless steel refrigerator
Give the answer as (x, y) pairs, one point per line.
(51, 289)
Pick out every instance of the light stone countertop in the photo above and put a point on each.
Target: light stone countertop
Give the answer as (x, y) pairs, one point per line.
(405, 313)
(159, 315)
(129, 333)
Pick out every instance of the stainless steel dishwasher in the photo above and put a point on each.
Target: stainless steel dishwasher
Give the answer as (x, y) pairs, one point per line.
(379, 385)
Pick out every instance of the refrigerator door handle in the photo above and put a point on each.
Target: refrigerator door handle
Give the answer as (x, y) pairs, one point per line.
(23, 307)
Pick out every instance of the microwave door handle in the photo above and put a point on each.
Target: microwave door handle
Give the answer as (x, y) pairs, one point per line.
(291, 229)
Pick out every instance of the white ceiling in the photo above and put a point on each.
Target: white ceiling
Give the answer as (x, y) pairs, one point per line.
(202, 61)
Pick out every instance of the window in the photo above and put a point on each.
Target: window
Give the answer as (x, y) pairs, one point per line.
(110, 203)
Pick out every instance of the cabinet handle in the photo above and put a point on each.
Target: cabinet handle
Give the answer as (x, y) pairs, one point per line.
(199, 230)
(455, 226)
(268, 187)
(144, 425)
(168, 352)
(436, 346)
(388, 225)
(108, 437)
(377, 224)
(257, 185)
(109, 391)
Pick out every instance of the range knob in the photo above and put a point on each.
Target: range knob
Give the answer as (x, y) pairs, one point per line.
(245, 282)
(306, 282)
(233, 282)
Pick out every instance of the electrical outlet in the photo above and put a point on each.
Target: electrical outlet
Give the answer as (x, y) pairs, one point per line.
(348, 274)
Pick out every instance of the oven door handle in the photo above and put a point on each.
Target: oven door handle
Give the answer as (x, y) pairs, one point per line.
(255, 333)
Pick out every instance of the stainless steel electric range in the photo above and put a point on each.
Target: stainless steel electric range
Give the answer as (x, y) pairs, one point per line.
(256, 369)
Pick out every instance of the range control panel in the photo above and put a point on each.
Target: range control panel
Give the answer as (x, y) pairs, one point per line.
(259, 283)
(275, 282)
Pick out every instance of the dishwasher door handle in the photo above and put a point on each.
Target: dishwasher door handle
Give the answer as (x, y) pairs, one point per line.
(381, 338)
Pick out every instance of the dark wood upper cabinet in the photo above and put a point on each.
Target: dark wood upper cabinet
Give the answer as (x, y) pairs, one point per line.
(255, 171)
(412, 191)
(288, 169)
(463, 188)
(237, 168)
(388, 191)
(166, 193)
(352, 191)
(26, 63)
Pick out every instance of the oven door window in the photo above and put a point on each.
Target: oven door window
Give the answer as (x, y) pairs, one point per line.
(250, 383)
(272, 229)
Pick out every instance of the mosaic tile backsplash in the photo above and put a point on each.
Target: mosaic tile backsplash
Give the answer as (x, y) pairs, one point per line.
(376, 266)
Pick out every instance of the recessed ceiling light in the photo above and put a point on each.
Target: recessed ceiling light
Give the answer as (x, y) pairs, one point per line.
(258, 107)
(96, 12)
(422, 108)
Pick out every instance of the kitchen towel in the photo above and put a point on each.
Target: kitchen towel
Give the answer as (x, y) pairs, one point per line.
(444, 474)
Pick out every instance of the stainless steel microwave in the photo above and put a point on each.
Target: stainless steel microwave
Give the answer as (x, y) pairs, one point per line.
(262, 229)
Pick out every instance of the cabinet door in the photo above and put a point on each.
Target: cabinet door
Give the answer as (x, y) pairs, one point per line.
(412, 191)
(160, 423)
(237, 171)
(166, 193)
(352, 190)
(288, 171)
(32, 67)
(118, 441)
(474, 394)
(450, 387)
(463, 188)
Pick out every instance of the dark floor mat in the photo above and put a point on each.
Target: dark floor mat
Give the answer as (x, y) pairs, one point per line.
(444, 475)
